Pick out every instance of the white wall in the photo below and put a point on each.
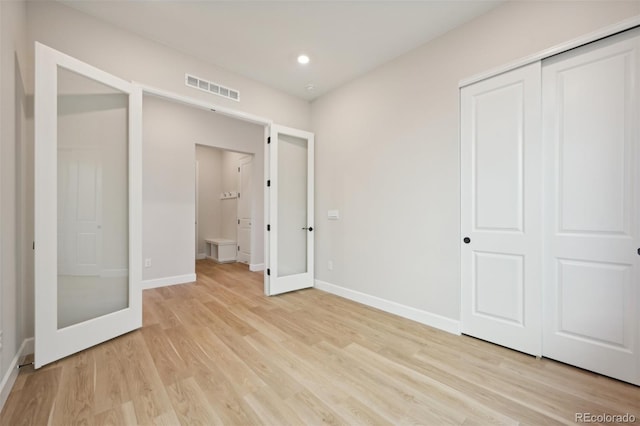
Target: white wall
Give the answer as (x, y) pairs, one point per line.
(132, 57)
(387, 153)
(14, 323)
(170, 132)
(209, 189)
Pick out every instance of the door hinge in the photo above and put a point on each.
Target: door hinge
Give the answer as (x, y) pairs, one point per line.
(268, 227)
(238, 248)
(238, 195)
(238, 221)
(269, 182)
(269, 139)
(34, 245)
(268, 271)
(238, 169)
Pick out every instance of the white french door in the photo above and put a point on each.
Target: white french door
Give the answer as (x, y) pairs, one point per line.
(87, 206)
(500, 209)
(290, 225)
(592, 207)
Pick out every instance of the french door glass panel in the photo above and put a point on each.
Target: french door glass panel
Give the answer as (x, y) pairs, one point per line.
(93, 227)
(290, 194)
(87, 196)
(292, 203)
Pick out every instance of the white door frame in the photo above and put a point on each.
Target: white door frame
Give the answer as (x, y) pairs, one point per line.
(239, 115)
(193, 102)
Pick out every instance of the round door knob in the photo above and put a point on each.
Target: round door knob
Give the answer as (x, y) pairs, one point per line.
(310, 229)
(467, 240)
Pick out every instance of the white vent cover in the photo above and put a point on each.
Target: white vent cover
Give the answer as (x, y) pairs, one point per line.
(211, 87)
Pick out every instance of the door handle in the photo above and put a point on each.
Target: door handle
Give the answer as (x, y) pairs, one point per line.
(309, 228)
(467, 240)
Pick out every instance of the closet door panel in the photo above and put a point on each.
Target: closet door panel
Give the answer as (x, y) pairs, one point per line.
(593, 110)
(497, 158)
(501, 225)
(591, 116)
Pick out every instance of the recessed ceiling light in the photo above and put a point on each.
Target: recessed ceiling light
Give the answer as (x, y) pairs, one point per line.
(303, 59)
(310, 87)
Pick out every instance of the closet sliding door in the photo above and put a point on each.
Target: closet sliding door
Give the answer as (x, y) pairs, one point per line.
(551, 208)
(592, 212)
(500, 209)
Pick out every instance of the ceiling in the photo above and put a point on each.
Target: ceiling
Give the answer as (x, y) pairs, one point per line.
(262, 39)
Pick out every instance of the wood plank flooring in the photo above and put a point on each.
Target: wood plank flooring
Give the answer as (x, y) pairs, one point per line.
(220, 352)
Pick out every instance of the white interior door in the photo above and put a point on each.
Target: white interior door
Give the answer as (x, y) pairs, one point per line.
(244, 209)
(87, 206)
(290, 220)
(592, 212)
(79, 212)
(500, 209)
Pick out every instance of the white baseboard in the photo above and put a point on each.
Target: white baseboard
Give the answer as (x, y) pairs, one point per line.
(163, 282)
(12, 373)
(256, 267)
(427, 318)
(201, 256)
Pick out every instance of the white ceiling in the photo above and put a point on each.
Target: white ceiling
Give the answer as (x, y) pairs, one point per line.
(262, 39)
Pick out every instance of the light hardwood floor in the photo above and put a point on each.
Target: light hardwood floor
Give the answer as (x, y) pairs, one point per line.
(219, 352)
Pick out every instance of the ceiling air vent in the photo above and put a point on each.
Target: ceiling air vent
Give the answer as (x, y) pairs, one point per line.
(211, 87)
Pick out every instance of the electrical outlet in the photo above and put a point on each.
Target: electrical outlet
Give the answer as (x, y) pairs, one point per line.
(330, 265)
(147, 263)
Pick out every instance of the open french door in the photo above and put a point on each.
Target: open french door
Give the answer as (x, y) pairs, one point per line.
(88, 186)
(290, 214)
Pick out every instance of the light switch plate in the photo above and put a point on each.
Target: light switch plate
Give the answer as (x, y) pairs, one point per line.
(333, 214)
